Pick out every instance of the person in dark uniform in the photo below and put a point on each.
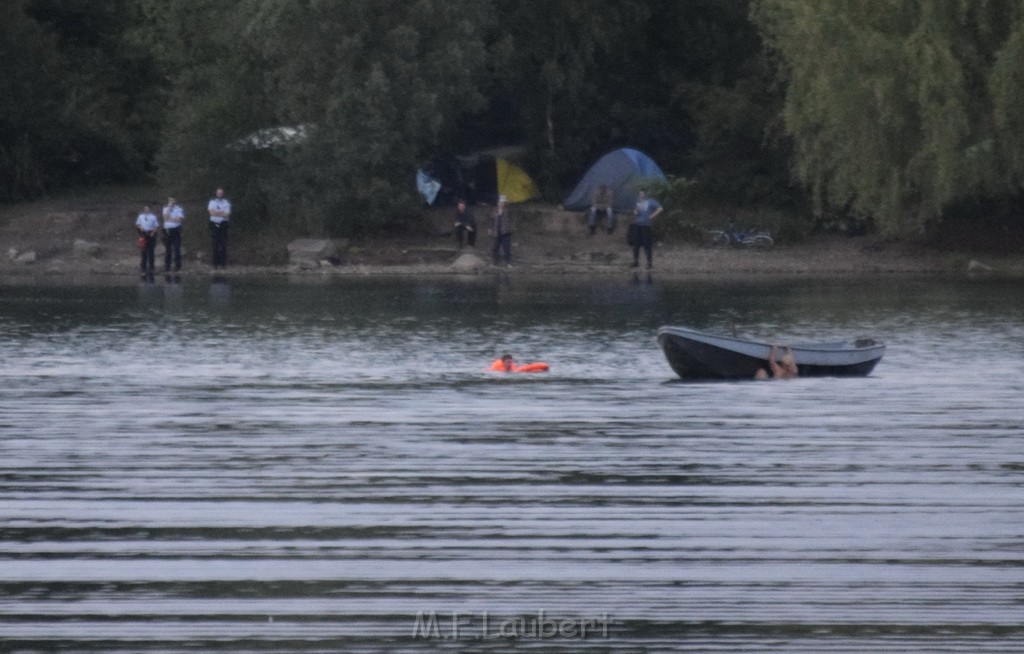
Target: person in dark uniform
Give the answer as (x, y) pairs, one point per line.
(219, 209)
(173, 217)
(465, 224)
(503, 226)
(147, 226)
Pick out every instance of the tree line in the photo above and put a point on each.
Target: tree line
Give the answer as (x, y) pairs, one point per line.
(904, 114)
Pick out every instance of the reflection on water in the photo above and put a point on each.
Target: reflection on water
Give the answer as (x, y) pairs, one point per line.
(274, 466)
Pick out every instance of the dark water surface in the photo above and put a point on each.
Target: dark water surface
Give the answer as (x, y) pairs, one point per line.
(263, 466)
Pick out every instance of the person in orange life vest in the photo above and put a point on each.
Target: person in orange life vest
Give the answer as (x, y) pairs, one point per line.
(507, 364)
(504, 364)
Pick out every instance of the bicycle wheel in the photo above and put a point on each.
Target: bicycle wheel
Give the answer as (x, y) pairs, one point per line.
(762, 241)
(717, 239)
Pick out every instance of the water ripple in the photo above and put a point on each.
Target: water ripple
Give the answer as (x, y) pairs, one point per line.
(289, 467)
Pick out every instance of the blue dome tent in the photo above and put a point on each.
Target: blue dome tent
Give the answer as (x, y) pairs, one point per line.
(623, 171)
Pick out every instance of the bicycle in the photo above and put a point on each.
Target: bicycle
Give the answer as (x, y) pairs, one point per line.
(758, 239)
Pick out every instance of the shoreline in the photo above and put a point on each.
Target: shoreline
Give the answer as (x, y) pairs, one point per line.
(675, 263)
(47, 240)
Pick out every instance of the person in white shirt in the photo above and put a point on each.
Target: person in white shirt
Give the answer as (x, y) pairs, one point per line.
(173, 217)
(147, 225)
(220, 216)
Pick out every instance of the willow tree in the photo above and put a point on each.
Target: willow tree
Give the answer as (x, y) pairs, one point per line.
(897, 109)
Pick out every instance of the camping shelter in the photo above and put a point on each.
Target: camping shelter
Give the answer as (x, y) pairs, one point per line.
(624, 171)
(480, 178)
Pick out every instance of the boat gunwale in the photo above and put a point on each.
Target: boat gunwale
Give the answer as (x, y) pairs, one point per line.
(815, 347)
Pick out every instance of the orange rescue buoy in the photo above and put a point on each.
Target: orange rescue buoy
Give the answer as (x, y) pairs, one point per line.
(537, 366)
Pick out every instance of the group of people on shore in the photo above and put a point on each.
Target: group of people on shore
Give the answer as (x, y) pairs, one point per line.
(640, 235)
(502, 227)
(149, 228)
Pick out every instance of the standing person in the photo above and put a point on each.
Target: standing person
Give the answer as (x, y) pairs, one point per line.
(173, 217)
(220, 215)
(465, 224)
(646, 211)
(147, 225)
(502, 230)
(602, 203)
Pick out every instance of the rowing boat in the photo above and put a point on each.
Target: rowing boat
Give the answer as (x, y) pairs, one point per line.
(697, 355)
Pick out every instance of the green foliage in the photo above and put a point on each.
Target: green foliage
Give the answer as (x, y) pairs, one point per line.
(1006, 84)
(691, 209)
(111, 89)
(557, 78)
(584, 77)
(31, 134)
(378, 82)
(374, 84)
(82, 102)
(898, 109)
(218, 98)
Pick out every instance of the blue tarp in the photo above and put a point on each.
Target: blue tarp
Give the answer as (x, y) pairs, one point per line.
(427, 186)
(624, 171)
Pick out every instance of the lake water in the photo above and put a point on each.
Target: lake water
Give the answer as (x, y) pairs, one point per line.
(301, 466)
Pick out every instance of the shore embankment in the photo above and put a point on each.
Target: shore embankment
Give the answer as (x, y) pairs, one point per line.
(92, 237)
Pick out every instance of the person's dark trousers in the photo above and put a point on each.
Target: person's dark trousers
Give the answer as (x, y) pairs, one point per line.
(502, 245)
(147, 263)
(609, 219)
(219, 238)
(465, 235)
(172, 248)
(645, 240)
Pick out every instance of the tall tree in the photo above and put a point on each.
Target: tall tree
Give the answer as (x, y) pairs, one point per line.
(375, 83)
(32, 142)
(898, 109)
(218, 98)
(549, 65)
(685, 81)
(113, 90)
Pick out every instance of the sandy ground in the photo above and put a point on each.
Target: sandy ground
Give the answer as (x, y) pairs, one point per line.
(38, 240)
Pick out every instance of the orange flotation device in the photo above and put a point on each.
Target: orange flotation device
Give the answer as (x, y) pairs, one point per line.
(537, 366)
